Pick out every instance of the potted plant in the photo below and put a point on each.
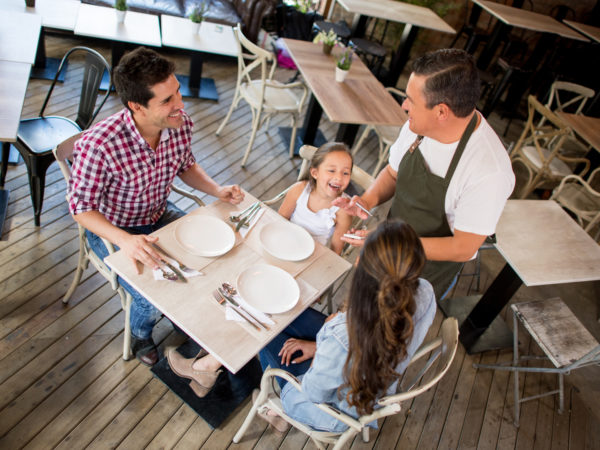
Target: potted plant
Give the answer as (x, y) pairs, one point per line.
(121, 8)
(343, 63)
(328, 39)
(197, 16)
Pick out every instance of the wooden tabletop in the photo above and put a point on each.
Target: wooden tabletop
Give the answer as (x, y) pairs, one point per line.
(191, 305)
(397, 12)
(360, 99)
(213, 38)
(19, 34)
(589, 30)
(544, 245)
(13, 85)
(58, 14)
(586, 127)
(528, 20)
(101, 22)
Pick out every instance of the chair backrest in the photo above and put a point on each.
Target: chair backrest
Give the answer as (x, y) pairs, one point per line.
(63, 153)
(94, 68)
(568, 96)
(258, 57)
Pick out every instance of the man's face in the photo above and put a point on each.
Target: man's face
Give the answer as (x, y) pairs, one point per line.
(421, 119)
(164, 110)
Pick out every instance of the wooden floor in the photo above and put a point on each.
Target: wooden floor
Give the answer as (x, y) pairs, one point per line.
(64, 384)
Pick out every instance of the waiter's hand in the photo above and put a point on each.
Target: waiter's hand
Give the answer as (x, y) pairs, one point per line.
(349, 206)
(138, 247)
(232, 194)
(356, 232)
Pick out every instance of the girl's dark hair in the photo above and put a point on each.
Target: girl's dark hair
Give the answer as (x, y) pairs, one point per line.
(380, 310)
(137, 72)
(319, 157)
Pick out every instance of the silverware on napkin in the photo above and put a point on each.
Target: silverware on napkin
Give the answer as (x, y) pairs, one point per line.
(237, 306)
(222, 299)
(182, 266)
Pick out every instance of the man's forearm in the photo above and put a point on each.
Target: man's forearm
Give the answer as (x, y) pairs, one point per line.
(460, 248)
(382, 189)
(197, 178)
(99, 225)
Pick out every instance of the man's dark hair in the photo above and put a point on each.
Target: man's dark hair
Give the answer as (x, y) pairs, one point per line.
(137, 72)
(452, 79)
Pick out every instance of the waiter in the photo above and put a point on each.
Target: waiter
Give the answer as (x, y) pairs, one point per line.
(449, 174)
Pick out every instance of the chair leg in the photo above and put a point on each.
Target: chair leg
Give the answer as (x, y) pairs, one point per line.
(228, 116)
(126, 303)
(293, 136)
(365, 434)
(561, 393)
(382, 157)
(36, 169)
(249, 418)
(255, 124)
(361, 139)
(5, 155)
(516, 372)
(81, 265)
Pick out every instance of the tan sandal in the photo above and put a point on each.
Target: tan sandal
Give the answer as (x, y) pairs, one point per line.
(202, 381)
(277, 422)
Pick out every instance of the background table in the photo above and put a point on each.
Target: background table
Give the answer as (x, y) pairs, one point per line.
(100, 22)
(191, 305)
(19, 34)
(586, 127)
(588, 30)
(413, 16)
(360, 100)
(542, 245)
(213, 38)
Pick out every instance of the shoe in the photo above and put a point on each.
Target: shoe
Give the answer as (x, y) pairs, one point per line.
(276, 422)
(144, 350)
(202, 380)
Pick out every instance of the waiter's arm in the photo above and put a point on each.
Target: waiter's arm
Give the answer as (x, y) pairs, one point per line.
(460, 248)
(382, 189)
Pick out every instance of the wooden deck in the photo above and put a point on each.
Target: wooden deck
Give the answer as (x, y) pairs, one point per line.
(62, 380)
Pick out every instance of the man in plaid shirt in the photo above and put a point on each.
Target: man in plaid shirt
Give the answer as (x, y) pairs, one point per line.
(123, 170)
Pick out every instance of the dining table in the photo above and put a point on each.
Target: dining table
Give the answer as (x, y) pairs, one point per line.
(590, 31)
(542, 245)
(360, 99)
(414, 17)
(253, 262)
(588, 128)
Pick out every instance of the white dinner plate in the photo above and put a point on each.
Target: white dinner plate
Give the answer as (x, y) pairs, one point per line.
(204, 235)
(287, 241)
(268, 288)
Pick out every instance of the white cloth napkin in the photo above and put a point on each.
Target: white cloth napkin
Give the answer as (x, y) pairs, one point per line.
(158, 274)
(231, 314)
(244, 231)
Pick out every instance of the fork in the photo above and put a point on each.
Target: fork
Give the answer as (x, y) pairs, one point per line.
(221, 300)
(182, 266)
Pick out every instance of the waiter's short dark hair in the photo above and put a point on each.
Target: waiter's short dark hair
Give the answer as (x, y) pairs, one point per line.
(137, 72)
(452, 79)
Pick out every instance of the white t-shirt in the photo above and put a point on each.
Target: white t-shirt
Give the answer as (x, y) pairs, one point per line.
(482, 181)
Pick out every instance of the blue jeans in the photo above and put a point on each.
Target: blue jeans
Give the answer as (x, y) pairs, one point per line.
(143, 315)
(306, 326)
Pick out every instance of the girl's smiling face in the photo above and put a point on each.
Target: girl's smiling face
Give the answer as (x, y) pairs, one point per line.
(333, 174)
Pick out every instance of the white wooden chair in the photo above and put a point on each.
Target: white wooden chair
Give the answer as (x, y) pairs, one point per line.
(561, 336)
(63, 153)
(386, 136)
(442, 349)
(579, 197)
(539, 149)
(265, 96)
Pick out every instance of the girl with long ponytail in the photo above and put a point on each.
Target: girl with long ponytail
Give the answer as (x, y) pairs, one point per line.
(356, 356)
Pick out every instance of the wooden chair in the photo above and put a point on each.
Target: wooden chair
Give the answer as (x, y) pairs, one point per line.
(386, 135)
(37, 136)
(539, 149)
(63, 153)
(265, 96)
(561, 336)
(442, 349)
(580, 198)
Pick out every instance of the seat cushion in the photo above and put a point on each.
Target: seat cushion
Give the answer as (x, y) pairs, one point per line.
(557, 166)
(42, 134)
(275, 99)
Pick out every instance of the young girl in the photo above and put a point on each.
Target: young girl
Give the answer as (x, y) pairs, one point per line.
(357, 355)
(308, 202)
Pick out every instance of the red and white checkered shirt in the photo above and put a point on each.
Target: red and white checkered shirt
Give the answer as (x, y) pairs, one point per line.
(117, 173)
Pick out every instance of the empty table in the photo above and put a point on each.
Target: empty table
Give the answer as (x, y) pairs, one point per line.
(542, 245)
(213, 38)
(586, 127)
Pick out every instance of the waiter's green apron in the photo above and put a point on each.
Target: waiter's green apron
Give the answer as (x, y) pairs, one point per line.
(419, 200)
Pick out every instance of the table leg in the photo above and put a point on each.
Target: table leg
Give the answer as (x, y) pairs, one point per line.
(402, 54)
(45, 68)
(194, 85)
(309, 134)
(489, 306)
(347, 133)
(500, 31)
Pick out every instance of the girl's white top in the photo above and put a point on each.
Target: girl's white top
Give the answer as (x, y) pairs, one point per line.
(319, 224)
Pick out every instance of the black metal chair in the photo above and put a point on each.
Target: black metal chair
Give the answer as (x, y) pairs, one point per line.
(37, 136)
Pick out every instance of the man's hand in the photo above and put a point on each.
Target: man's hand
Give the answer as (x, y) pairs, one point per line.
(349, 206)
(232, 194)
(356, 242)
(292, 345)
(138, 247)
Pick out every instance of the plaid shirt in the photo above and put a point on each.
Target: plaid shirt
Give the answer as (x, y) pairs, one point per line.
(117, 173)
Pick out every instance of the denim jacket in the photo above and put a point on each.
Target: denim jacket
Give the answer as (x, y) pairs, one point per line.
(320, 383)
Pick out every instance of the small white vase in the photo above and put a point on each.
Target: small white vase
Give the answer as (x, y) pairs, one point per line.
(120, 16)
(197, 27)
(340, 75)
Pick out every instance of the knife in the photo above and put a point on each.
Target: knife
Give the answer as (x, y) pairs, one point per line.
(231, 300)
(238, 310)
(175, 270)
